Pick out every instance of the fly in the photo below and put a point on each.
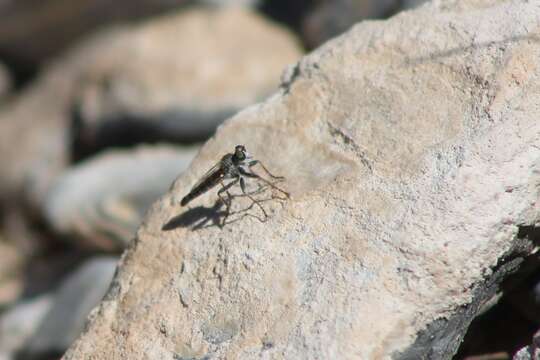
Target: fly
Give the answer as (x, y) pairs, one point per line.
(236, 167)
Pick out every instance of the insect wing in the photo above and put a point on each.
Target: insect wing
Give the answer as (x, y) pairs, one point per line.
(209, 174)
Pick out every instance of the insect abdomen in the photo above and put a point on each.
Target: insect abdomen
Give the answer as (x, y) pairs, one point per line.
(202, 188)
(187, 198)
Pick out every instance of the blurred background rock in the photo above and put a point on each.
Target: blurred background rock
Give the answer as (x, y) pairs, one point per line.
(103, 104)
(34, 31)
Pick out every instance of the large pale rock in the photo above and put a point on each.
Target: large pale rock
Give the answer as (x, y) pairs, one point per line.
(180, 77)
(411, 149)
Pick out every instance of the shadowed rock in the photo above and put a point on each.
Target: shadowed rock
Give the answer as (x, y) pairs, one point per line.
(44, 326)
(6, 82)
(330, 18)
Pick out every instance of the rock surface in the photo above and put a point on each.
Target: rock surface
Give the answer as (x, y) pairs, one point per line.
(101, 201)
(411, 149)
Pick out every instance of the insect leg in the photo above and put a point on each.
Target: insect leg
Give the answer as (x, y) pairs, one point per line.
(228, 201)
(255, 176)
(225, 188)
(243, 187)
(255, 162)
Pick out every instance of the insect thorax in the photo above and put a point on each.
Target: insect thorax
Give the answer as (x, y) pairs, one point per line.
(229, 166)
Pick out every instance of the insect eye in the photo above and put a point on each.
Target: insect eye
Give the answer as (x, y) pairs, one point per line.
(240, 152)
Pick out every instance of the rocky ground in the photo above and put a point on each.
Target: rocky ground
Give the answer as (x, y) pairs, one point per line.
(410, 149)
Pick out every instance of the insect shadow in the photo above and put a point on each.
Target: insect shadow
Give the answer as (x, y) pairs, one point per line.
(217, 215)
(197, 217)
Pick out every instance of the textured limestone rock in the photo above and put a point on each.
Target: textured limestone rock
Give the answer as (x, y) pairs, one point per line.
(183, 75)
(411, 149)
(102, 200)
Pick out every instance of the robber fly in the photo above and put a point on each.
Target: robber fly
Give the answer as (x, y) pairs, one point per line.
(236, 167)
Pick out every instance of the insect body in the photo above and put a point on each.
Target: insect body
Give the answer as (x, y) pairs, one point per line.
(219, 172)
(236, 167)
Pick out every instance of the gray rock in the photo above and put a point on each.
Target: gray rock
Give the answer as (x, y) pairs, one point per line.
(101, 201)
(18, 324)
(76, 297)
(411, 150)
(530, 352)
(523, 354)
